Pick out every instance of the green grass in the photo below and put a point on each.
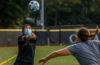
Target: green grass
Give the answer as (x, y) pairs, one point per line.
(7, 52)
(41, 51)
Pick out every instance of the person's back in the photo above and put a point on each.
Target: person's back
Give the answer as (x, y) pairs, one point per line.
(87, 53)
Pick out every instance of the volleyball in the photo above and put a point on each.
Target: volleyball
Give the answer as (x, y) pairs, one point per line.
(34, 5)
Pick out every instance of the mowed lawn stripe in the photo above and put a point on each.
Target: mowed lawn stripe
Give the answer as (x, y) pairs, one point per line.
(7, 52)
(8, 60)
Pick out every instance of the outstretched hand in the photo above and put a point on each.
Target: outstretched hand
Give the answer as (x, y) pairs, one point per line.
(33, 36)
(42, 61)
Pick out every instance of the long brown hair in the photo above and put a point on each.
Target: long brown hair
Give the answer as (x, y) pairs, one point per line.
(84, 34)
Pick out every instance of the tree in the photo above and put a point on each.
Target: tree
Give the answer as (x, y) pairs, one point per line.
(12, 12)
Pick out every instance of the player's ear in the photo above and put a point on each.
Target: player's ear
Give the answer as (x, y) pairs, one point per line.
(78, 39)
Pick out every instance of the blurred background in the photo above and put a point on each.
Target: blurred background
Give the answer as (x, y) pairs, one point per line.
(54, 23)
(15, 13)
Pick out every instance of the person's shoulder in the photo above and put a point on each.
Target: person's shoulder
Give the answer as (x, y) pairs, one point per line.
(94, 41)
(74, 48)
(79, 45)
(20, 36)
(74, 45)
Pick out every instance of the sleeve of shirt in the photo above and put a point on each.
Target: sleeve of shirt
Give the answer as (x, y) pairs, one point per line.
(34, 40)
(19, 41)
(19, 38)
(72, 48)
(98, 43)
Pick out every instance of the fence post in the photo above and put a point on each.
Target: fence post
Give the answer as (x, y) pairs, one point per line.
(48, 37)
(60, 36)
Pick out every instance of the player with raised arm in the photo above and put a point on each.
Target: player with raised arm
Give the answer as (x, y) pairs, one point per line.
(86, 51)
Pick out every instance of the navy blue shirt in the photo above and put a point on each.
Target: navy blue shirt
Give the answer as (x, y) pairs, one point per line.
(26, 51)
(87, 53)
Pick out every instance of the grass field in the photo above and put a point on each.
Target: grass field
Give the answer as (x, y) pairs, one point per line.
(41, 51)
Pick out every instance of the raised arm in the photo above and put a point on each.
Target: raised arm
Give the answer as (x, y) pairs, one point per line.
(33, 36)
(61, 52)
(95, 33)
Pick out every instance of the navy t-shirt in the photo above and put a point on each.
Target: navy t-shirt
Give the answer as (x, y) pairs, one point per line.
(87, 53)
(26, 52)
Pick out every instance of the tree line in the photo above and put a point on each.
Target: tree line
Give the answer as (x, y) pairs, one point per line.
(57, 12)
